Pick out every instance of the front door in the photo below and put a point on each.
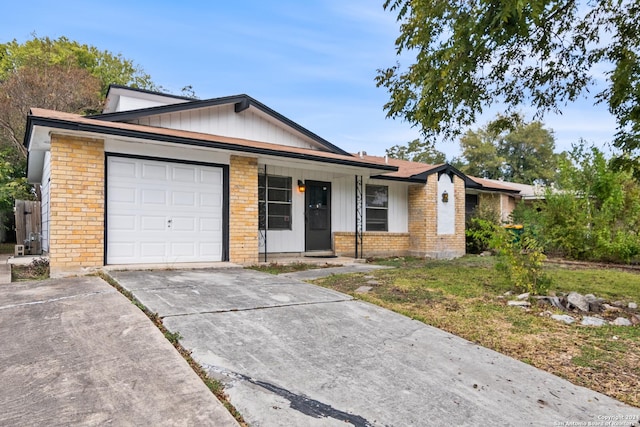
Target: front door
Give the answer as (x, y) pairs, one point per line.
(318, 216)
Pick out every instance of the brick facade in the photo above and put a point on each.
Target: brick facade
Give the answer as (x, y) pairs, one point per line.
(77, 203)
(374, 244)
(423, 221)
(243, 210)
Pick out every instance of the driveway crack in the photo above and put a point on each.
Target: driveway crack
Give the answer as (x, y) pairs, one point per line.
(265, 307)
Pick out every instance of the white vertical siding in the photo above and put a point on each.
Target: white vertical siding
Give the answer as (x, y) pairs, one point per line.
(446, 210)
(343, 213)
(223, 120)
(398, 213)
(44, 204)
(343, 207)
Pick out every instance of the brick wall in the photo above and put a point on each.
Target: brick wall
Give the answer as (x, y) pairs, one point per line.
(423, 221)
(243, 210)
(76, 205)
(374, 244)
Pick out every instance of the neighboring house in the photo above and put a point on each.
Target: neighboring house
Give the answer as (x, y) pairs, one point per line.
(502, 195)
(164, 179)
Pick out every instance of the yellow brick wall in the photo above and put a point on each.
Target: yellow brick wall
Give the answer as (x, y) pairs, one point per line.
(243, 210)
(374, 244)
(76, 231)
(423, 221)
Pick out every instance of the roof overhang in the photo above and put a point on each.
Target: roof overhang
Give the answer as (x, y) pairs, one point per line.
(40, 128)
(241, 103)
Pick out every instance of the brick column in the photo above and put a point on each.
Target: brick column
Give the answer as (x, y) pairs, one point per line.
(423, 217)
(76, 230)
(243, 210)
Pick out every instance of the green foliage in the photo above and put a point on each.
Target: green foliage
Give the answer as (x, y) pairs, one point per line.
(510, 149)
(41, 52)
(521, 260)
(417, 151)
(480, 228)
(468, 55)
(593, 214)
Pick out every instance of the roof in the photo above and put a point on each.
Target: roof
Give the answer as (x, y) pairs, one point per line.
(418, 172)
(410, 171)
(495, 185)
(241, 102)
(74, 122)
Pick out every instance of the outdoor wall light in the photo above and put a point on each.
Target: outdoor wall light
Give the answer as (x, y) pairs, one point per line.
(445, 196)
(301, 186)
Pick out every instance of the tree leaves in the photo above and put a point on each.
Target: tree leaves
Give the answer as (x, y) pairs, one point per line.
(471, 54)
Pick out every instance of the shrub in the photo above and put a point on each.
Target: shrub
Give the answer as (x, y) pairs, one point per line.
(520, 259)
(480, 229)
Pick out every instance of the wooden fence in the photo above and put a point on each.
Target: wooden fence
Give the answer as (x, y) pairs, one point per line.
(29, 226)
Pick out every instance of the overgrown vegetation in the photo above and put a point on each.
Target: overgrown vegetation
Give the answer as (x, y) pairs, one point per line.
(593, 212)
(481, 227)
(466, 297)
(37, 270)
(520, 259)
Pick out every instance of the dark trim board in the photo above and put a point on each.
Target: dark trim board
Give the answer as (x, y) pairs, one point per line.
(225, 194)
(241, 103)
(67, 125)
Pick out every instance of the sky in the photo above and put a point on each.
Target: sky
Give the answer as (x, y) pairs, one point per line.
(313, 61)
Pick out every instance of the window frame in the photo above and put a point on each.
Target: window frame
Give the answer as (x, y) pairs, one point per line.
(266, 192)
(372, 224)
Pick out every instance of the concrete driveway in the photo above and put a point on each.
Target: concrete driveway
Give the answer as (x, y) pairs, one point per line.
(76, 352)
(291, 353)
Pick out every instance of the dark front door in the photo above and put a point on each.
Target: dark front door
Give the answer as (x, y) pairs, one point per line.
(318, 216)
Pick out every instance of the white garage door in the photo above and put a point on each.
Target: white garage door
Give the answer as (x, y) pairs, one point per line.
(161, 212)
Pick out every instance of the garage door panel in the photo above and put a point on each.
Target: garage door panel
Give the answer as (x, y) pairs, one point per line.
(153, 197)
(154, 171)
(122, 168)
(211, 177)
(122, 222)
(184, 224)
(183, 198)
(153, 223)
(153, 249)
(211, 199)
(159, 212)
(212, 249)
(183, 174)
(121, 194)
(210, 224)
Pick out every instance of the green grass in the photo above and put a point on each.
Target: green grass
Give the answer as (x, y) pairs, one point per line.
(279, 268)
(466, 297)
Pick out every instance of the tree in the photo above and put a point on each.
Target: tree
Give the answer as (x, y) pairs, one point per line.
(471, 54)
(104, 65)
(57, 74)
(417, 151)
(45, 87)
(480, 154)
(509, 149)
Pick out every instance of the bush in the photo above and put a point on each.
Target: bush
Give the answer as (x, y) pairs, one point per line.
(480, 229)
(520, 259)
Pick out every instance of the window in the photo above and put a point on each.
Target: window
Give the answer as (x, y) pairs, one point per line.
(274, 202)
(377, 207)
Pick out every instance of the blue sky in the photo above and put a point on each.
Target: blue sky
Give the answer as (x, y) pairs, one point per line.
(312, 61)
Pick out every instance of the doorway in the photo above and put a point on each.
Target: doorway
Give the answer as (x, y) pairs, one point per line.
(317, 216)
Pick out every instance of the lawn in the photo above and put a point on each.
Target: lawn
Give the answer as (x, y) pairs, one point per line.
(466, 297)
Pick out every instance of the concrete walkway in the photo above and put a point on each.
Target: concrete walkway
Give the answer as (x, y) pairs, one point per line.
(77, 352)
(292, 353)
